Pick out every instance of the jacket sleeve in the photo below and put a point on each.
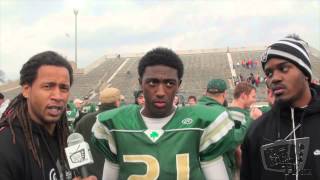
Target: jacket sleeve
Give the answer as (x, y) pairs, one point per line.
(243, 122)
(11, 164)
(245, 162)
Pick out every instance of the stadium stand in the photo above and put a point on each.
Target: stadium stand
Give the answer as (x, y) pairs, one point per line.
(200, 67)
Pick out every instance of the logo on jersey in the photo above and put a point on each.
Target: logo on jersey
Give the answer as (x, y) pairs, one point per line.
(153, 135)
(316, 152)
(187, 121)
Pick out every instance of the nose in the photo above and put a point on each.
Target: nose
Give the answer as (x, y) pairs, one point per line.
(160, 91)
(57, 94)
(276, 77)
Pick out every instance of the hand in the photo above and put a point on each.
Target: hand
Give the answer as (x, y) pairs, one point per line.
(255, 113)
(87, 178)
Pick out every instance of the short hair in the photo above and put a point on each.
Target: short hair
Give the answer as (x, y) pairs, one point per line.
(242, 87)
(29, 70)
(192, 97)
(1, 96)
(161, 56)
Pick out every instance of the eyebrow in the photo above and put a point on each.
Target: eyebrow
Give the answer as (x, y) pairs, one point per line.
(278, 65)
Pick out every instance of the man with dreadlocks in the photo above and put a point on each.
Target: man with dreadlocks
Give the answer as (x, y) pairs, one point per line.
(33, 128)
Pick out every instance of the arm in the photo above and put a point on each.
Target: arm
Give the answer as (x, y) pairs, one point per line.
(11, 163)
(243, 121)
(217, 166)
(110, 171)
(245, 161)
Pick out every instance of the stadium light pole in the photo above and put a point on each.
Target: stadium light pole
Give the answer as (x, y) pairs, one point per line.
(75, 11)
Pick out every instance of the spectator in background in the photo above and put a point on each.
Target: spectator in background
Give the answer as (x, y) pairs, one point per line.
(109, 99)
(192, 100)
(33, 129)
(257, 80)
(176, 100)
(85, 107)
(270, 99)
(122, 100)
(215, 94)
(244, 96)
(3, 104)
(215, 97)
(139, 97)
(284, 142)
(243, 63)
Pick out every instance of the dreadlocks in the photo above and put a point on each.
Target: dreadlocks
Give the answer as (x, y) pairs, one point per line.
(18, 108)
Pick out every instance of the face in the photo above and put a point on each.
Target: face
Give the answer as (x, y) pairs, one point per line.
(78, 103)
(288, 83)
(159, 84)
(192, 101)
(140, 100)
(250, 98)
(175, 100)
(48, 95)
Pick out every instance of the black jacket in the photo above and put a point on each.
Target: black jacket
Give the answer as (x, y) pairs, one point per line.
(16, 160)
(268, 151)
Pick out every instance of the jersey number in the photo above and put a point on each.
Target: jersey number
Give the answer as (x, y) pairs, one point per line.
(153, 168)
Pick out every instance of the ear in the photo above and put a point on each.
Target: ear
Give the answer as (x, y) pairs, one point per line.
(26, 90)
(243, 95)
(307, 79)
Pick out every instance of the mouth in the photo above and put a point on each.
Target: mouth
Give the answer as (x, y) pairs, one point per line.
(278, 90)
(160, 104)
(55, 110)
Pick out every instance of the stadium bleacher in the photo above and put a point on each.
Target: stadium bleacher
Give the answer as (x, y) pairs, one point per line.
(200, 67)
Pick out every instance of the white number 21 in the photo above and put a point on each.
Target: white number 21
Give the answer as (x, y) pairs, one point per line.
(153, 169)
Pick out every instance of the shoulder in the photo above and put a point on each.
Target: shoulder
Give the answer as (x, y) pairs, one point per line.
(204, 113)
(118, 113)
(257, 127)
(87, 119)
(9, 149)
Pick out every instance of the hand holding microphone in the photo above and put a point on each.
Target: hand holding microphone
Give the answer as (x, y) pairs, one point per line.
(78, 153)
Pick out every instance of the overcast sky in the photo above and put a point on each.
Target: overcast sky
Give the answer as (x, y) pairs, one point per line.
(28, 27)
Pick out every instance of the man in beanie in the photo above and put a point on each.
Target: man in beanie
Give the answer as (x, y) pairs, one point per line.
(284, 142)
(109, 99)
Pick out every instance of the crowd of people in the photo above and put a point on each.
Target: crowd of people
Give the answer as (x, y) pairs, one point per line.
(159, 136)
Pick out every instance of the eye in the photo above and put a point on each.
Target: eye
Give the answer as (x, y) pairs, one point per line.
(268, 73)
(64, 88)
(151, 82)
(170, 83)
(46, 86)
(284, 68)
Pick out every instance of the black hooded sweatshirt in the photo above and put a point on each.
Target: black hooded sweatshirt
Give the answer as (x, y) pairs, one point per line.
(17, 162)
(268, 151)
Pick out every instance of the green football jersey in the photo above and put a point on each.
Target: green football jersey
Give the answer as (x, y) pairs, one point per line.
(194, 134)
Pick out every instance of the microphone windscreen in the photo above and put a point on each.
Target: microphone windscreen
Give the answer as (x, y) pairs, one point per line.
(74, 138)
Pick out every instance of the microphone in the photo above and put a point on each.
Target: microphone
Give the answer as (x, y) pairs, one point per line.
(78, 153)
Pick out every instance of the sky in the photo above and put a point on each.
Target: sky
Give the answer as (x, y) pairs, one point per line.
(28, 27)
